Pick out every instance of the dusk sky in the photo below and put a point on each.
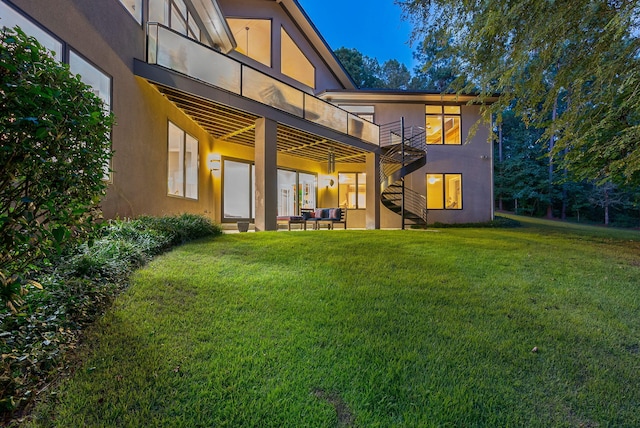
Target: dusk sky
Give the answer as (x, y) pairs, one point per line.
(374, 27)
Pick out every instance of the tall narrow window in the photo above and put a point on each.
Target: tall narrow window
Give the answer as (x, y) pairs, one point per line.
(443, 125)
(182, 164)
(287, 186)
(307, 185)
(294, 63)
(100, 84)
(352, 190)
(238, 190)
(253, 38)
(444, 191)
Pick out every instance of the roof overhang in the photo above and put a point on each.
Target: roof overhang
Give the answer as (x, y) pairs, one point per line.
(387, 96)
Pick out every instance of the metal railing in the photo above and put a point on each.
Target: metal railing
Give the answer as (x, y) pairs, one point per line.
(177, 52)
(405, 152)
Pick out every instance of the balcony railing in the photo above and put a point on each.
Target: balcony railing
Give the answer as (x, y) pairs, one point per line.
(172, 50)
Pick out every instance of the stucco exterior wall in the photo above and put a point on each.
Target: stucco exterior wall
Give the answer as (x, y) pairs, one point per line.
(472, 159)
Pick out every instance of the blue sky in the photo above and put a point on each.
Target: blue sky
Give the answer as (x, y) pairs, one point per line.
(374, 27)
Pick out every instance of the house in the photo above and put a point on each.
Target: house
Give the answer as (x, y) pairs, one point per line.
(239, 110)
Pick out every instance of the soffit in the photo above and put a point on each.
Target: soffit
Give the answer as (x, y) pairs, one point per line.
(236, 126)
(391, 96)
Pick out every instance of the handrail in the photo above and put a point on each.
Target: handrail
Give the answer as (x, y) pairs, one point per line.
(400, 159)
(175, 51)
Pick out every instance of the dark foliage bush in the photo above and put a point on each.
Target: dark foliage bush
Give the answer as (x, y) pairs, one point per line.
(54, 145)
(78, 286)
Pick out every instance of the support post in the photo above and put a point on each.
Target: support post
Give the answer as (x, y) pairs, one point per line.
(266, 170)
(402, 136)
(373, 191)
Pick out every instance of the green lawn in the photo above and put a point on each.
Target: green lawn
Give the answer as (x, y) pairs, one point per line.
(371, 328)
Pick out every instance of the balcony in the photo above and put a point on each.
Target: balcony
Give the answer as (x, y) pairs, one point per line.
(179, 53)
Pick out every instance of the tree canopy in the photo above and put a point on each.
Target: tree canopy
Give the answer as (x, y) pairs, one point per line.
(582, 55)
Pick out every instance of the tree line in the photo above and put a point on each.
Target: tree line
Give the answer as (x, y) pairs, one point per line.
(567, 121)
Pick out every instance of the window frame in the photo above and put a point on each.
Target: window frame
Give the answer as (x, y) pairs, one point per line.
(246, 55)
(442, 117)
(182, 150)
(60, 55)
(69, 53)
(357, 190)
(444, 191)
(251, 194)
(283, 32)
(298, 194)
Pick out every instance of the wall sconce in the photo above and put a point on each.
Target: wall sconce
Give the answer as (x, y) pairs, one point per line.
(213, 161)
(328, 181)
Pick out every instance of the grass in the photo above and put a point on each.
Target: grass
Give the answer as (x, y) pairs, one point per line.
(370, 328)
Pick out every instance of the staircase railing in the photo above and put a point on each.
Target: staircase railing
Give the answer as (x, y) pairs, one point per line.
(404, 151)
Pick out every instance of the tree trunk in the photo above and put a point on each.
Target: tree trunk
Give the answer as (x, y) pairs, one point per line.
(554, 115)
(606, 207)
(500, 207)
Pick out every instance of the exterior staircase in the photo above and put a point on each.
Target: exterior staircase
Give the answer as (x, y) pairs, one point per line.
(404, 150)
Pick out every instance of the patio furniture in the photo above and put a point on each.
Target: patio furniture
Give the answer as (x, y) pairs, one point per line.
(325, 216)
(292, 219)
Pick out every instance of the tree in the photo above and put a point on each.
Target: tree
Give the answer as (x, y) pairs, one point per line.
(437, 70)
(54, 145)
(363, 70)
(395, 75)
(591, 47)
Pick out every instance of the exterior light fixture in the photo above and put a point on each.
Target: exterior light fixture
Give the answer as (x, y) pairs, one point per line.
(213, 161)
(331, 162)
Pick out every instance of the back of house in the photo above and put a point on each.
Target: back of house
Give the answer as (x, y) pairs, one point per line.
(240, 111)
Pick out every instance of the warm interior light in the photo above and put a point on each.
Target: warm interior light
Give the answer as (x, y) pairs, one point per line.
(213, 160)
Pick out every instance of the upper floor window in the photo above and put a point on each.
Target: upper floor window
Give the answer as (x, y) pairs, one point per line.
(183, 164)
(443, 125)
(134, 7)
(352, 190)
(176, 15)
(11, 18)
(253, 38)
(444, 191)
(294, 63)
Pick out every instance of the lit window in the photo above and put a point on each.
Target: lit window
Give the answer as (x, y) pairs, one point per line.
(352, 190)
(444, 191)
(443, 125)
(294, 63)
(253, 38)
(238, 190)
(183, 164)
(134, 7)
(295, 190)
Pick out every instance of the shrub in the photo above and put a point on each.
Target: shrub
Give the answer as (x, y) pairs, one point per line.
(54, 144)
(79, 285)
